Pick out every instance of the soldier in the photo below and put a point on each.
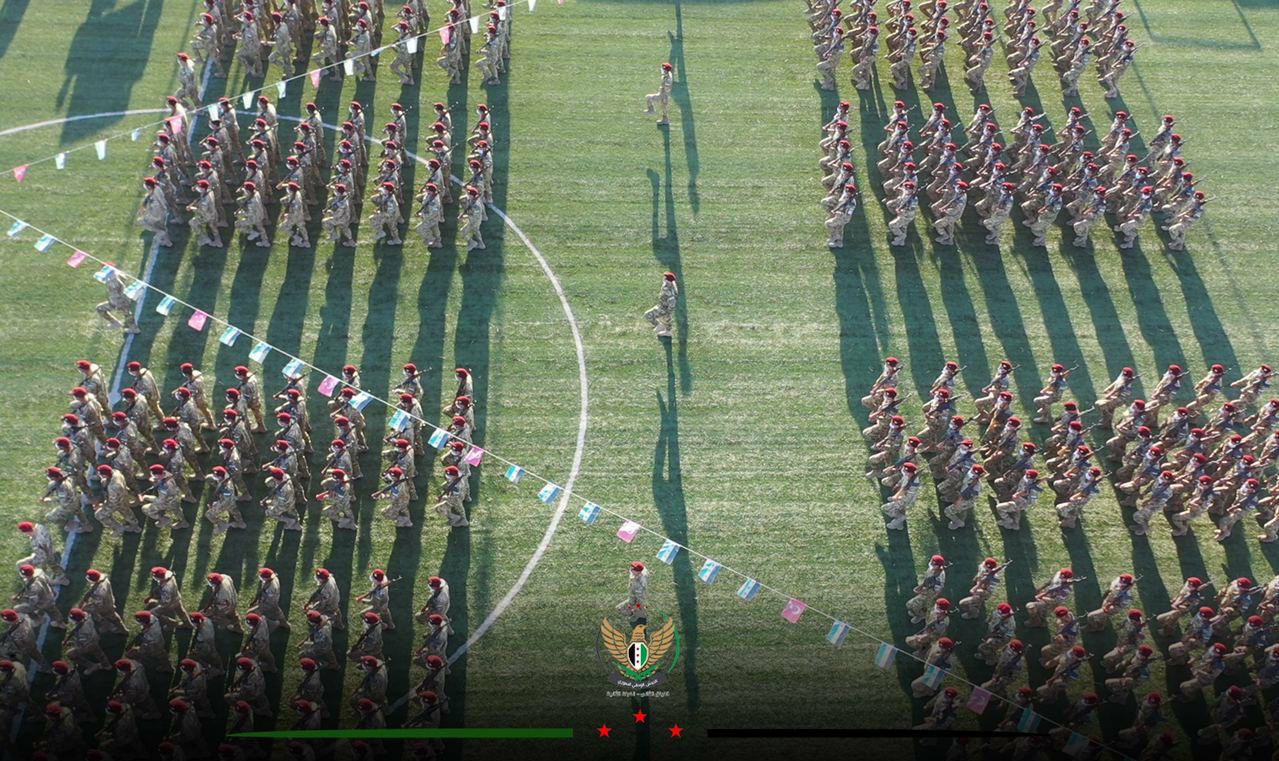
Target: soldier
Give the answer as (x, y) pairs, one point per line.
(67, 689)
(280, 503)
(69, 512)
(1056, 592)
(928, 589)
(636, 601)
(318, 643)
(337, 217)
(939, 657)
(841, 213)
(132, 688)
(257, 643)
(221, 606)
(1205, 671)
(148, 646)
(396, 494)
(115, 510)
(327, 598)
(249, 685)
(310, 688)
(999, 632)
(44, 555)
(117, 301)
(1067, 669)
(1198, 633)
(934, 627)
(470, 214)
(204, 216)
(14, 690)
(373, 683)
(18, 641)
(165, 506)
(370, 640)
(903, 496)
(1133, 670)
(193, 687)
(222, 510)
(154, 213)
(165, 600)
(379, 598)
(337, 498)
(99, 602)
(267, 600)
(967, 493)
(663, 95)
(37, 598)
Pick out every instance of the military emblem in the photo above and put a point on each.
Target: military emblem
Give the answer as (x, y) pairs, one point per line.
(642, 658)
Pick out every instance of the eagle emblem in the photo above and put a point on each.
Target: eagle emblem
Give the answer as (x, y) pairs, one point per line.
(644, 652)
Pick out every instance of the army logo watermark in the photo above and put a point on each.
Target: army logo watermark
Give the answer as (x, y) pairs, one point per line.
(642, 658)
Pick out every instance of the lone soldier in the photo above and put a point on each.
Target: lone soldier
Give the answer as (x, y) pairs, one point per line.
(661, 314)
(636, 603)
(663, 95)
(117, 301)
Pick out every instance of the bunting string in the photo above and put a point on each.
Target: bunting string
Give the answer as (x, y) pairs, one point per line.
(550, 492)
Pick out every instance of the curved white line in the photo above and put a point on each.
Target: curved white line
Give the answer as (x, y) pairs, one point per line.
(583, 419)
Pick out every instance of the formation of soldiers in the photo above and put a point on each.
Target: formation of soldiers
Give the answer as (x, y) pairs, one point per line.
(1187, 452)
(948, 165)
(246, 180)
(116, 466)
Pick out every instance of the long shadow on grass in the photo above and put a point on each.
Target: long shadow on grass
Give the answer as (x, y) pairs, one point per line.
(11, 13)
(666, 249)
(668, 496)
(96, 78)
(680, 94)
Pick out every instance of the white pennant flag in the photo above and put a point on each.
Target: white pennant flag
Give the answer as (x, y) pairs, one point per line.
(101, 148)
(246, 100)
(282, 87)
(531, 5)
(212, 110)
(475, 24)
(349, 67)
(60, 161)
(136, 135)
(502, 11)
(412, 45)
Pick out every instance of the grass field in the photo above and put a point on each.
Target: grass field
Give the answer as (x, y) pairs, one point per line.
(742, 441)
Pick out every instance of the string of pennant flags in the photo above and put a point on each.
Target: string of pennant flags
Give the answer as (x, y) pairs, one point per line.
(710, 570)
(281, 87)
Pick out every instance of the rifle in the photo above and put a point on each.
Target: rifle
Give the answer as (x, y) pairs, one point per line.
(383, 491)
(382, 585)
(258, 597)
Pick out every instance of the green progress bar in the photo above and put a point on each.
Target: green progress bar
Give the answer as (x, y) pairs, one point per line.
(453, 733)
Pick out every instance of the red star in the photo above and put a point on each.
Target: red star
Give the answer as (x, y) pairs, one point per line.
(677, 731)
(604, 729)
(640, 716)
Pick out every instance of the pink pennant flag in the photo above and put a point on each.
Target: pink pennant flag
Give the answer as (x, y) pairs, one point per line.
(77, 258)
(20, 172)
(328, 385)
(446, 33)
(175, 124)
(315, 79)
(793, 610)
(473, 457)
(198, 320)
(978, 701)
(628, 531)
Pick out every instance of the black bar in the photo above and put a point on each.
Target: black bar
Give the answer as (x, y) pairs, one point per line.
(913, 734)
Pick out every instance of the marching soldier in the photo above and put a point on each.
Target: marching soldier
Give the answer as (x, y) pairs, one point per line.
(1050, 595)
(65, 493)
(43, 554)
(928, 589)
(37, 598)
(938, 656)
(337, 498)
(280, 503)
(370, 640)
(222, 510)
(193, 687)
(165, 601)
(636, 602)
(663, 95)
(318, 643)
(148, 646)
(327, 598)
(117, 301)
(115, 510)
(267, 600)
(68, 689)
(99, 602)
(221, 607)
(379, 598)
(133, 690)
(249, 685)
(257, 643)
